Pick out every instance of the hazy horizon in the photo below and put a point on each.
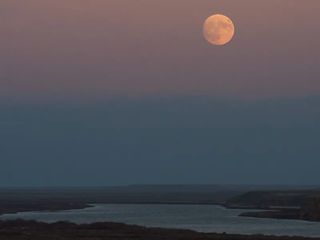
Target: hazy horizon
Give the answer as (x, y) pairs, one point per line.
(121, 92)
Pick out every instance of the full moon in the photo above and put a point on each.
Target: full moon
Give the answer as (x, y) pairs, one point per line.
(218, 29)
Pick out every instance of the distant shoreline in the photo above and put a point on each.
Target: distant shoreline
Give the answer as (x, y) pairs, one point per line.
(263, 201)
(285, 213)
(42, 207)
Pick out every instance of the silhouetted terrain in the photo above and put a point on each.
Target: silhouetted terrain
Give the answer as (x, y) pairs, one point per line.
(31, 230)
(31, 199)
(303, 204)
(281, 202)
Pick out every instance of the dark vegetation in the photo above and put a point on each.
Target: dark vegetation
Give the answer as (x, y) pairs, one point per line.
(31, 230)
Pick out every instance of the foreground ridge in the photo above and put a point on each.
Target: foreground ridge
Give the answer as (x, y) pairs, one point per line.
(33, 230)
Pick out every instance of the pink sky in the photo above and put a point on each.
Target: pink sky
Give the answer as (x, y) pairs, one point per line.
(89, 50)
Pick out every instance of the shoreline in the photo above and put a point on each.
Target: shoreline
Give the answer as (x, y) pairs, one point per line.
(262, 213)
(23, 229)
(24, 208)
(20, 222)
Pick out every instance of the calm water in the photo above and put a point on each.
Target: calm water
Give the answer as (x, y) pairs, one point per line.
(204, 218)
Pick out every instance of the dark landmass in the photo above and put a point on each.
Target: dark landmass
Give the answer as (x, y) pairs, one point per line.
(21, 206)
(299, 205)
(31, 230)
(140, 194)
(278, 214)
(276, 202)
(14, 200)
(201, 194)
(272, 199)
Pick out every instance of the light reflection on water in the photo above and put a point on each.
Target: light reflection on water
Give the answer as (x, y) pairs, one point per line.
(203, 218)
